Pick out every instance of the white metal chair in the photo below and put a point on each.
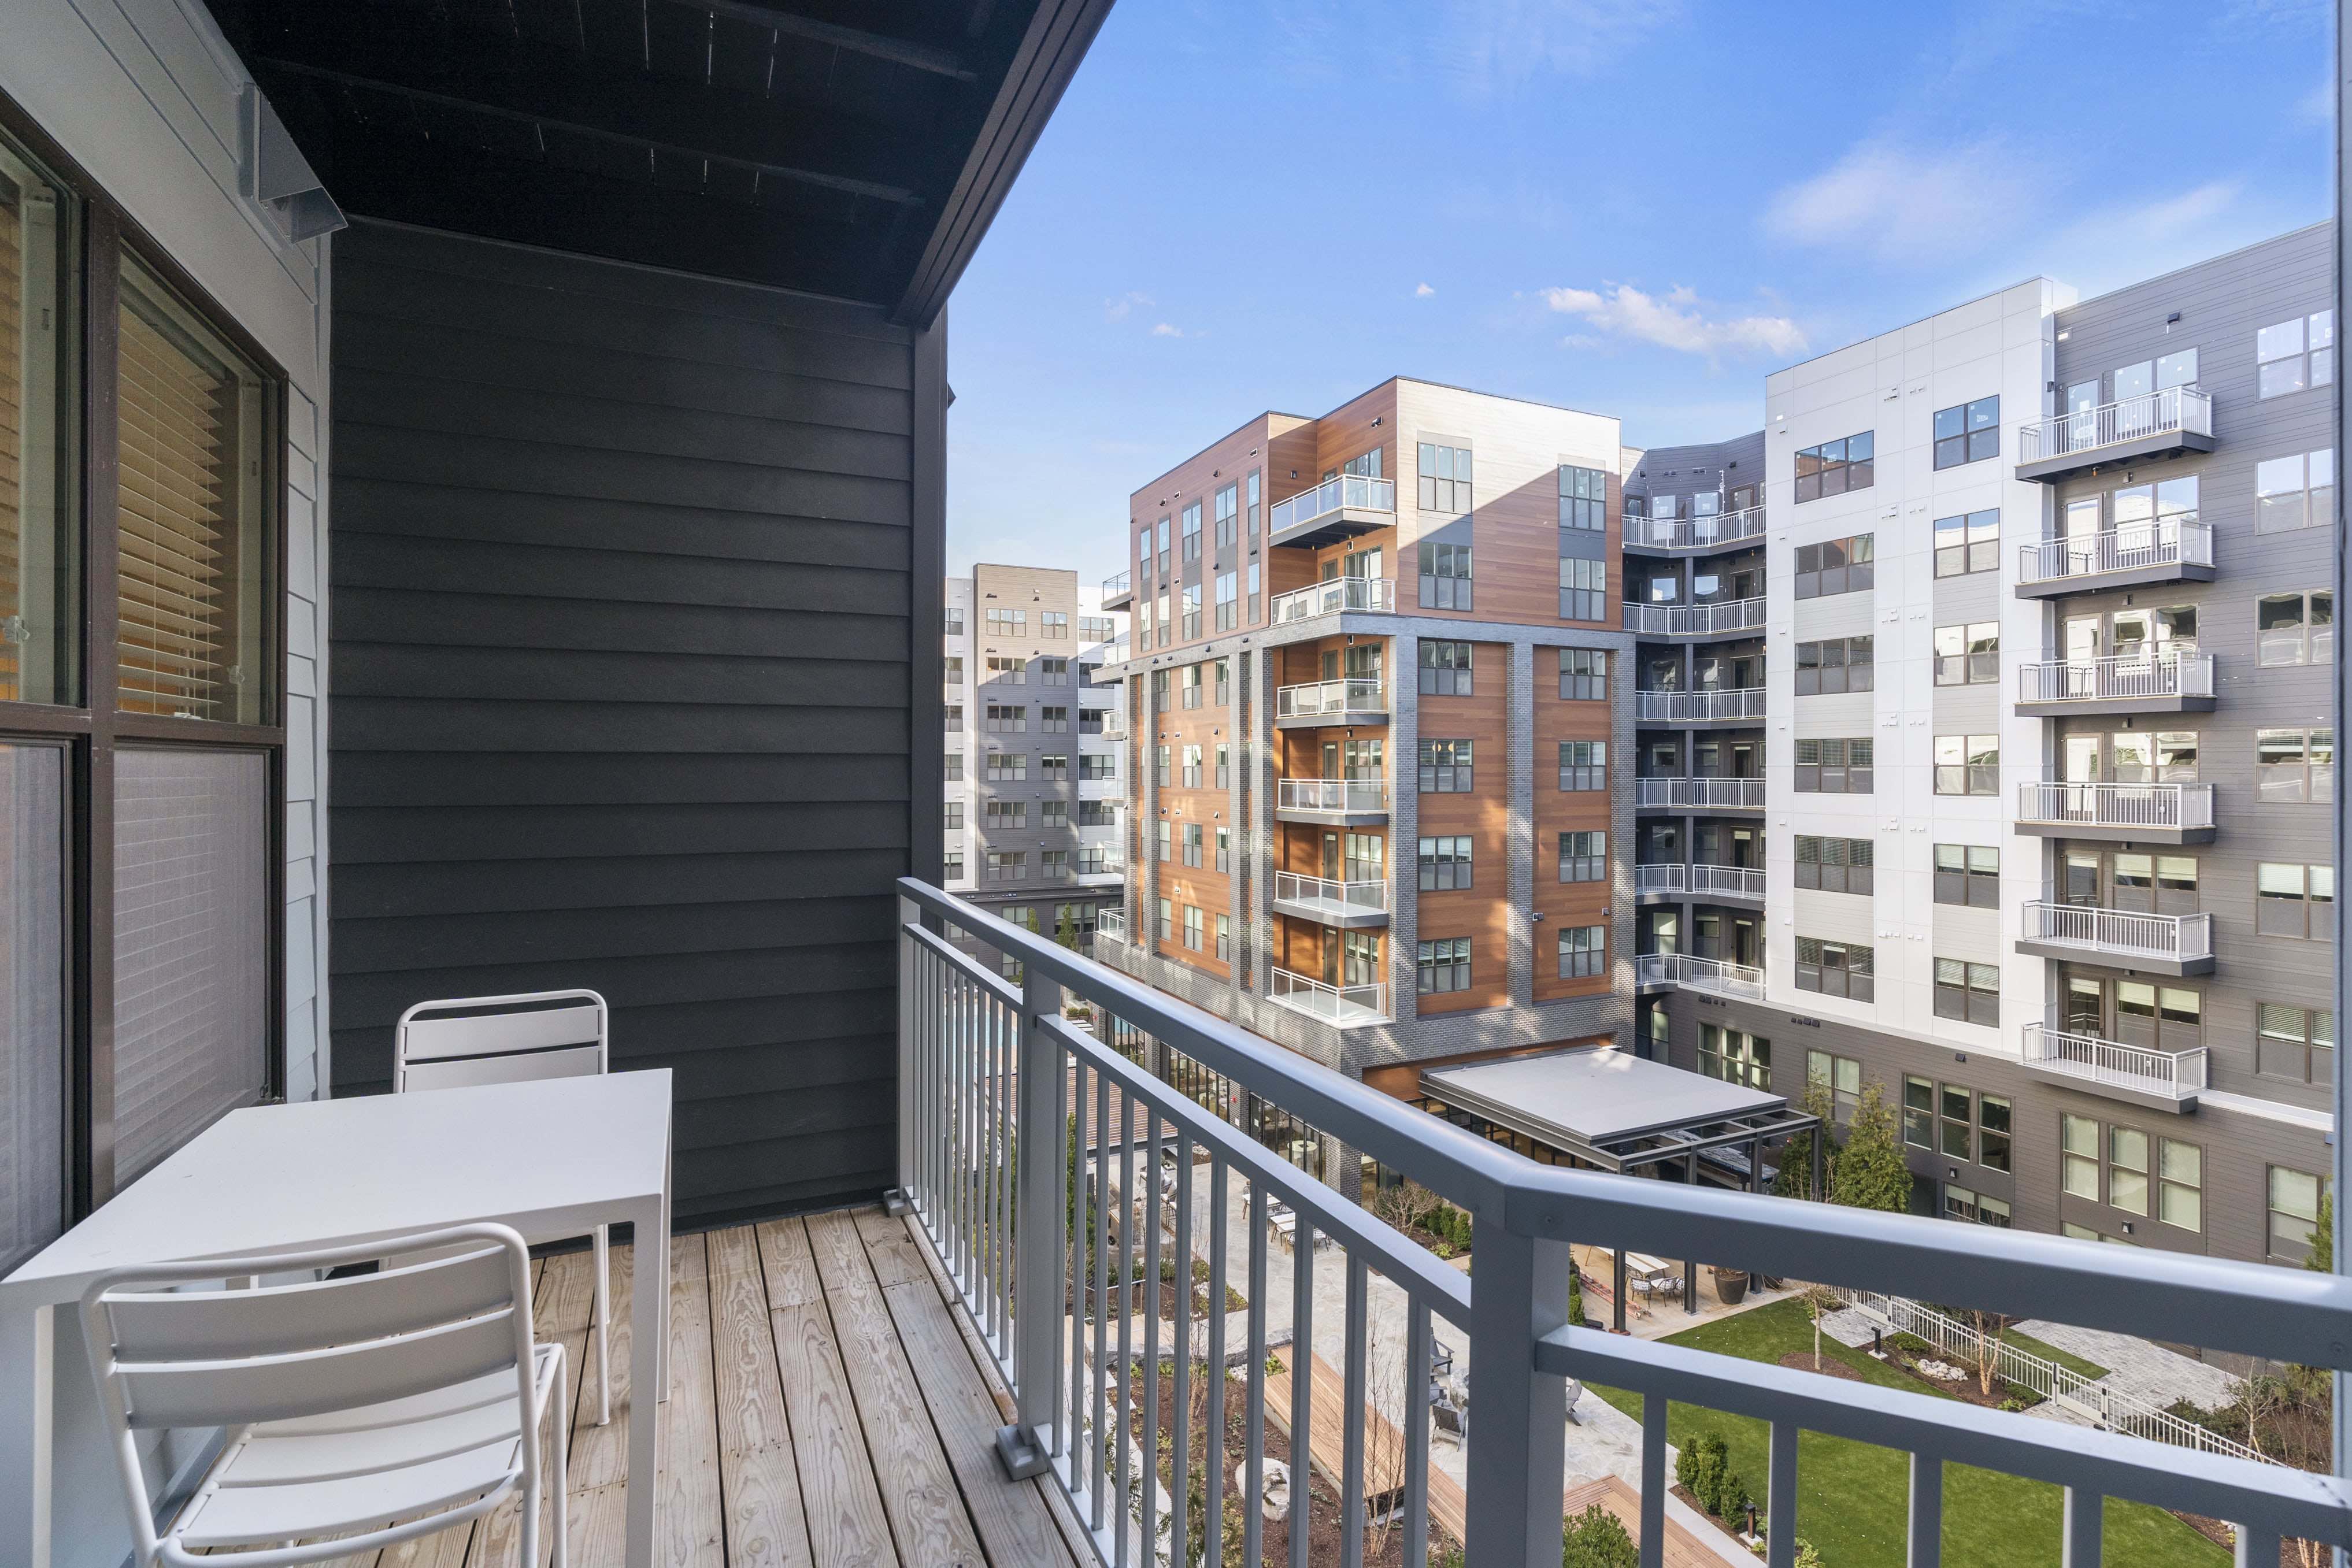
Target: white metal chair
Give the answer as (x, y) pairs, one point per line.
(360, 1412)
(515, 1040)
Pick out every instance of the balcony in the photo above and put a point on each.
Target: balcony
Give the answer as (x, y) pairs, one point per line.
(2162, 1080)
(1318, 704)
(1111, 924)
(1675, 536)
(1343, 905)
(1114, 865)
(1333, 596)
(1338, 509)
(1727, 704)
(1731, 618)
(1115, 592)
(2158, 943)
(1674, 879)
(2153, 424)
(2117, 813)
(1336, 803)
(2127, 684)
(1698, 794)
(2173, 549)
(1688, 972)
(1345, 1007)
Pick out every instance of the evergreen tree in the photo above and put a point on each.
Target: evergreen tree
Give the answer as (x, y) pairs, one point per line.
(1597, 1539)
(1796, 1178)
(1870, 1171)
(2322, 1258)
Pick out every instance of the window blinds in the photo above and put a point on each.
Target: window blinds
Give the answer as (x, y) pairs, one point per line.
(11, 429)
(32, 999)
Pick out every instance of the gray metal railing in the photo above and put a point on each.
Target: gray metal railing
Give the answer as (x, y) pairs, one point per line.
(2129, 677)
(2182, 408)
(2133, 546)
(1694, 533)
(2118, 933)
(1003, 1104)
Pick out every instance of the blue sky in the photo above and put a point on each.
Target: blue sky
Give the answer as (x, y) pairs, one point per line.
(1636, 208)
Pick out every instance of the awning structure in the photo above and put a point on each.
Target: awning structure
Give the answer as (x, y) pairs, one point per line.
(1617, 1111)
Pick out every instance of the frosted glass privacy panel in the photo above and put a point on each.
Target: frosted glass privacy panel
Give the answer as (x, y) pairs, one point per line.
(32, 999)
(191, 945)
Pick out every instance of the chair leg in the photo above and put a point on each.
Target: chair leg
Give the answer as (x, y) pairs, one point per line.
(563, 1471)
(603, 1334)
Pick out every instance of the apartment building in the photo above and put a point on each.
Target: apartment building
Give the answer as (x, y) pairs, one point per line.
(1032, 794)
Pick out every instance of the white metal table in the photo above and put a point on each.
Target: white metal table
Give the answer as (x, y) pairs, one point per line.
(553, 1159)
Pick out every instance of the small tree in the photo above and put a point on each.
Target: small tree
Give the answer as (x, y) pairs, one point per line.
(1821, 1300)
(1870, 1172)
(1796, 1178)
(1066, 931)
(1987, 1326)
(2320, 1260)
(1597, 1539)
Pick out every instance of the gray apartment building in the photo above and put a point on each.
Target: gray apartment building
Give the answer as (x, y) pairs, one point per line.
(1032, 788)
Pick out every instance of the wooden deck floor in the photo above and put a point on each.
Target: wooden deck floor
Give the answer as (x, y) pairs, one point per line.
(826, 1410)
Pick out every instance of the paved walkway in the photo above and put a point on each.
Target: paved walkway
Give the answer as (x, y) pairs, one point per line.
(2135, 1366)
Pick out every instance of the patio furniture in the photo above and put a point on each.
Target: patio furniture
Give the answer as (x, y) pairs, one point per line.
(362, 1412)
(473, 1041)
(552, 1159)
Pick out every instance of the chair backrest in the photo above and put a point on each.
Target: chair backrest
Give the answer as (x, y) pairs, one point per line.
(467, 1040)
(229, 1358)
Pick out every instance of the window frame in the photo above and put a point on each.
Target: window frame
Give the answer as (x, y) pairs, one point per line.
(1974, 436)
(1845, 465)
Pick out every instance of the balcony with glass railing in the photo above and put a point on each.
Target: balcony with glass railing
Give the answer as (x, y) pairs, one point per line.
(1111, 924)
(2170, 1079)
(1347, 1006)
(1333, 596)
(1724, 705)
(1353, 700)
(1358, 800)
(2168, 681)
(2169, 550)
(1688, 972)
(2162, 814)
(1698, 794)
(2163, 943)
(1115, 593)
(2152, 424)
(1328, 901)
(1339, 507)
(1728, 618)
(1723, 529)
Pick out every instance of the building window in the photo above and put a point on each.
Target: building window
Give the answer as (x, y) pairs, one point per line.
(954, 623)
(1835, 767)
(954, 670)
(2128, 1170)
(1007, 672)
(1834, 467)
(1919, 1112)
(1228, 511)
(1053, 672)
(1968, 993)
(2296, 628)
(1054, 720)
(2295, 1043)
(1836, 664)
(955, 866)
(1225, 775)
(1583, 674)
(1836, 566)
(1225, 936)
(1054, 866)
(1054, 813)
(1444, 965)
(1007, 767)
(1098, 813)
(1253, 585)
(1835, 968)
(2078, 1150)
(1445, 577)
(1008, 622)
(1160, 767)
(1584, 765)
(2180, 1184)
(1094, 860)
(1167, 918)
(1995, 1127)
(1584, 857)
(1192, 610)
(1446, 766)
(1192, 531)
(1002, 814)
(1841, 1077)
(1444, 474)
(1097, 628)
(1583, 498)
(1167, 841)
(1968, 764)
(1098, 765)
(1192, 754)
(1007, 720)
(1255, 498)
(1969, 875)
(1228, 601)
(1975, 1207)
(1054, 625)
(1191, 688)
(1224, 848)
(1968, 655)
(1444, 669)
(2293, 1213)
(1734, 1056)
(2297, 355)
(952, 816)
(1194, 842)
(2297, 491)
(1970, 542)
(1967, 433)
(1007, 865)
(955, 718)
(2294, 766)
(1583, 588)
(2296, 901)
(1445, 864)
(1192, 927)
(1583, 951)
(954, 761)
(1836, 865)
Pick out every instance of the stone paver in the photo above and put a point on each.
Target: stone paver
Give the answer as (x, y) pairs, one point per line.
(2137, 1367)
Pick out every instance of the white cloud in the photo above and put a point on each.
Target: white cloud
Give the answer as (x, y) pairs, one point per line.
(2318, 107)
(1486, 44)
(1166, 330)
(1125, 305)
(1423, 291)
(1901, 204)
(1676, 320)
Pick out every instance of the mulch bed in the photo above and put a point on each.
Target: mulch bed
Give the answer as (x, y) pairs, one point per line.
(1830, 1366)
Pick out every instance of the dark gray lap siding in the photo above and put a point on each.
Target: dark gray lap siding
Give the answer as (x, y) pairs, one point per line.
(625, 588)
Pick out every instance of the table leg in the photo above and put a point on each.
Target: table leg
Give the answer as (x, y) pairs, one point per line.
(28, 1359)
(648, 1328)
(669, 1141)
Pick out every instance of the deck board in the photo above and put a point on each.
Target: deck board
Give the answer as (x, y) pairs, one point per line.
(757, 1475)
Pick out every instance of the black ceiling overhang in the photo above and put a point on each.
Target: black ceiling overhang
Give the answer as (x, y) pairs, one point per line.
(853, 150)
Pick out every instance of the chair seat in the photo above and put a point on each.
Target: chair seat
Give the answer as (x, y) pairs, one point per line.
(351, 1470)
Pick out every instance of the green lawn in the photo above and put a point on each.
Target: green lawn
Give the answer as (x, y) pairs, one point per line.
(1852, 1496)
(2067, 1359)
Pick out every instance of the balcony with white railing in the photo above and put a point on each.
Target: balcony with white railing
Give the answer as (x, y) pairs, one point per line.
(1721, 705)
(1347, 1006)
(1700, 881)
(1115, 593)
(1334, 595)
(2152, 424)
(1337, 800)
(1717, 532)
(2169, 549)
(1354, 700)
(2160, 814)
(1111, 924)
(1340, 508)
(2170, 1080)
(2165, 944)
(1729, 618)
(1687, 971)
(1326, 901)
(2170, 682)
(1698, 794)
(998, 1090)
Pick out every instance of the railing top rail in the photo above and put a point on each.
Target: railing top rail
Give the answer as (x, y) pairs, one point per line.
(2183, 395)
(2161, 656)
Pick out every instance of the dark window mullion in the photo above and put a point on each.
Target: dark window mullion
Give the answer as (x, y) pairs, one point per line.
(94, 797)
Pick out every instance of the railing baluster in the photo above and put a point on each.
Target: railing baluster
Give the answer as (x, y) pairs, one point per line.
(1352, 1423)
(1000, 1028)
(1254, 1408)
(1074, 1221)
(2256, 1548)
(1151, 1340)
(1213, 1438)
(1413, 1411)
(1180, 1493)
(1780, 1497)
(1302, 1384)
(1926, 1522)
(1098, 1450)
(1654, 1481)
(2084, 1518)
(1123, 1424)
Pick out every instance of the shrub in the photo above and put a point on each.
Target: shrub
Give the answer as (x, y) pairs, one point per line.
(1597, 1539)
